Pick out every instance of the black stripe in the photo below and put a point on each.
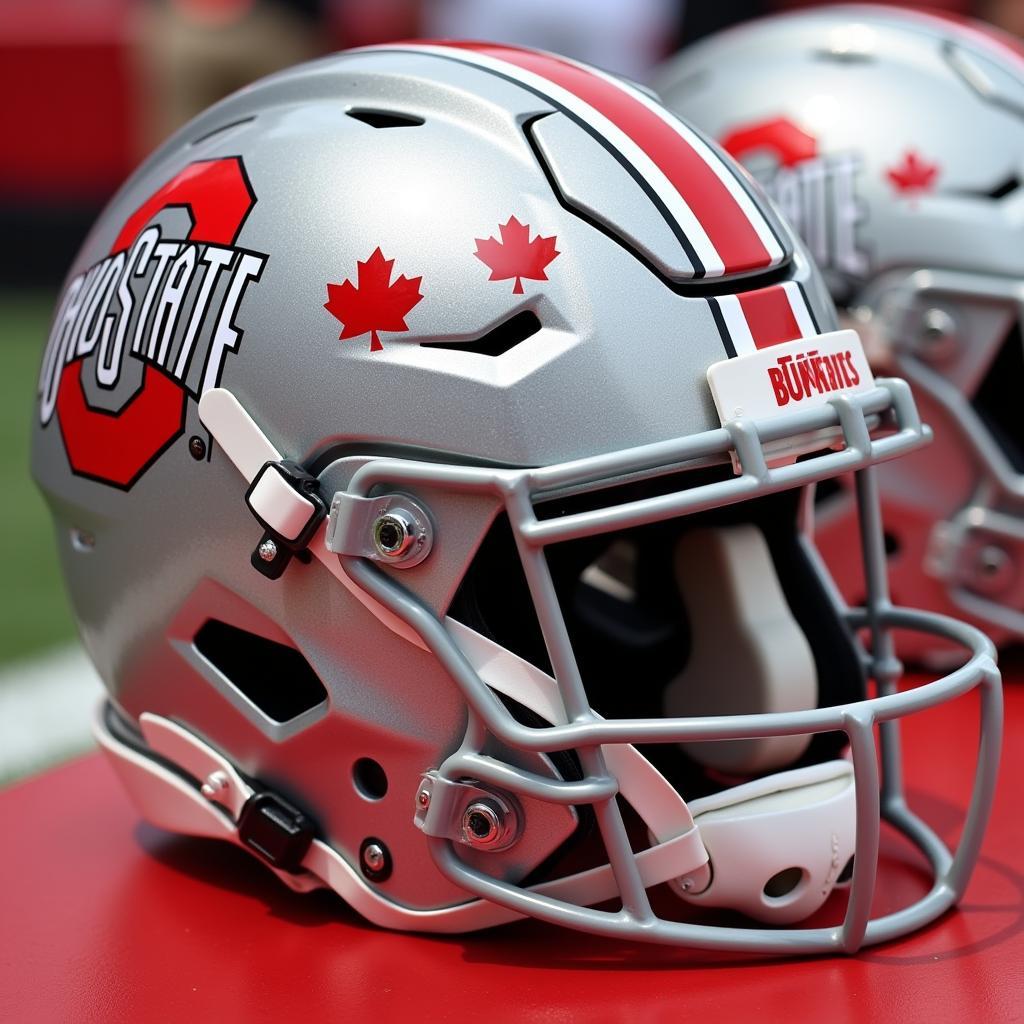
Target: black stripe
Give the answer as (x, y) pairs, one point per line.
(810, 308)
(716, 312)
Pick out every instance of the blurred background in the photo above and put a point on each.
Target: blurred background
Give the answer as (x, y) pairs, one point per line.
(89, 87)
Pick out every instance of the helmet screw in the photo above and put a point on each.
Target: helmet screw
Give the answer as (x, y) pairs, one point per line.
(938, 334)
(373, 857)
(483, 824)
(197, 447)
(375, 860)
(267, 550)
(215, 785)
(82, 541)
(993, 568)
(393, 534)
(423, 798)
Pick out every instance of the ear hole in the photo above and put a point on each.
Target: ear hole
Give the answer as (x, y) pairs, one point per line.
(385, 118)
(370, 778)
(783, 882)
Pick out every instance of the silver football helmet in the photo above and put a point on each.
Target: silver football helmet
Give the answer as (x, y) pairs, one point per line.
(894, 142)
(427, 431)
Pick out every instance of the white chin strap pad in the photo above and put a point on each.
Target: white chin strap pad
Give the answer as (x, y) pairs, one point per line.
(748, 653)
(778, 845)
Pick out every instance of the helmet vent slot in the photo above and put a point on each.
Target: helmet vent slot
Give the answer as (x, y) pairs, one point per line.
(385, 118)
(1004, 188)
(844, 55)
(274, 677)
(498, 340)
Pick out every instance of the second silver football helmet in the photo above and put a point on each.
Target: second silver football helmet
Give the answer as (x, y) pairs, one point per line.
(894, 141)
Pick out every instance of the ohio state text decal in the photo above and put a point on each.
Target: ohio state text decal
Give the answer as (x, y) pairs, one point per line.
(163, 302)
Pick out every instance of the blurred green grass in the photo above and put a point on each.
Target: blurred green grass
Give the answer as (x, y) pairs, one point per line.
(34, 611)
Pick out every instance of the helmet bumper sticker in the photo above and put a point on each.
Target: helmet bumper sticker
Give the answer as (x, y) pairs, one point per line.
(162, 305)
(801, 374)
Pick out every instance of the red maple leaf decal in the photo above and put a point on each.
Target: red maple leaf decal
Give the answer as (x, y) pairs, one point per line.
(913, 175)
(376, 303)
(515, 255)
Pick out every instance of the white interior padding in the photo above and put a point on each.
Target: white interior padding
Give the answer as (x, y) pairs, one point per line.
(802, 822)
(748, 654)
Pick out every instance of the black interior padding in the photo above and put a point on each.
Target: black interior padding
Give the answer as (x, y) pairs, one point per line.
(628, 650)
(998, 400)
(273, 676)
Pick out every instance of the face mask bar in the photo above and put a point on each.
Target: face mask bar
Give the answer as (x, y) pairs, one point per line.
(584, 731)
(1001, 485)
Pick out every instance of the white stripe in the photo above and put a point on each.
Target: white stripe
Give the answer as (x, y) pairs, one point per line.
(736, 324)
(644, 165)
(45, 710)
(798, 304)
(724, 173)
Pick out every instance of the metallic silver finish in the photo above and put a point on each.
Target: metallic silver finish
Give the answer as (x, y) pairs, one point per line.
(489, 824)
(267, 550)
(940, 268)
(82, 541)
(938, 335)
(215, 785)
(393, 534)
(374, 858)
(994, 567)
(467, 813)
(392, 528)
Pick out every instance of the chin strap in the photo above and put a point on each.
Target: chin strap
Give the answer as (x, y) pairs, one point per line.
(251, 450)
(796, 827)
(777, 846)
(217, 801)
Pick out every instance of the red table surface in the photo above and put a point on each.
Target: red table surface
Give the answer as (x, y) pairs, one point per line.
(104, 918)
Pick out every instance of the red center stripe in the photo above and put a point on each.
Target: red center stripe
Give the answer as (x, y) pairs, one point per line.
(769, 316)
(729, 228)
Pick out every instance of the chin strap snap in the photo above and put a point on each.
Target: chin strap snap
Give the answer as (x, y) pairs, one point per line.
(286, 502)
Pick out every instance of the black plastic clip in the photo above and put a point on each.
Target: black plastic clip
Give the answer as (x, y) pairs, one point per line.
(275, 550)
(276, 831)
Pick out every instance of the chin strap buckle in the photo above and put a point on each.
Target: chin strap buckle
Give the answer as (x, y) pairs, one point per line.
(277, 832)
(286, 501)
